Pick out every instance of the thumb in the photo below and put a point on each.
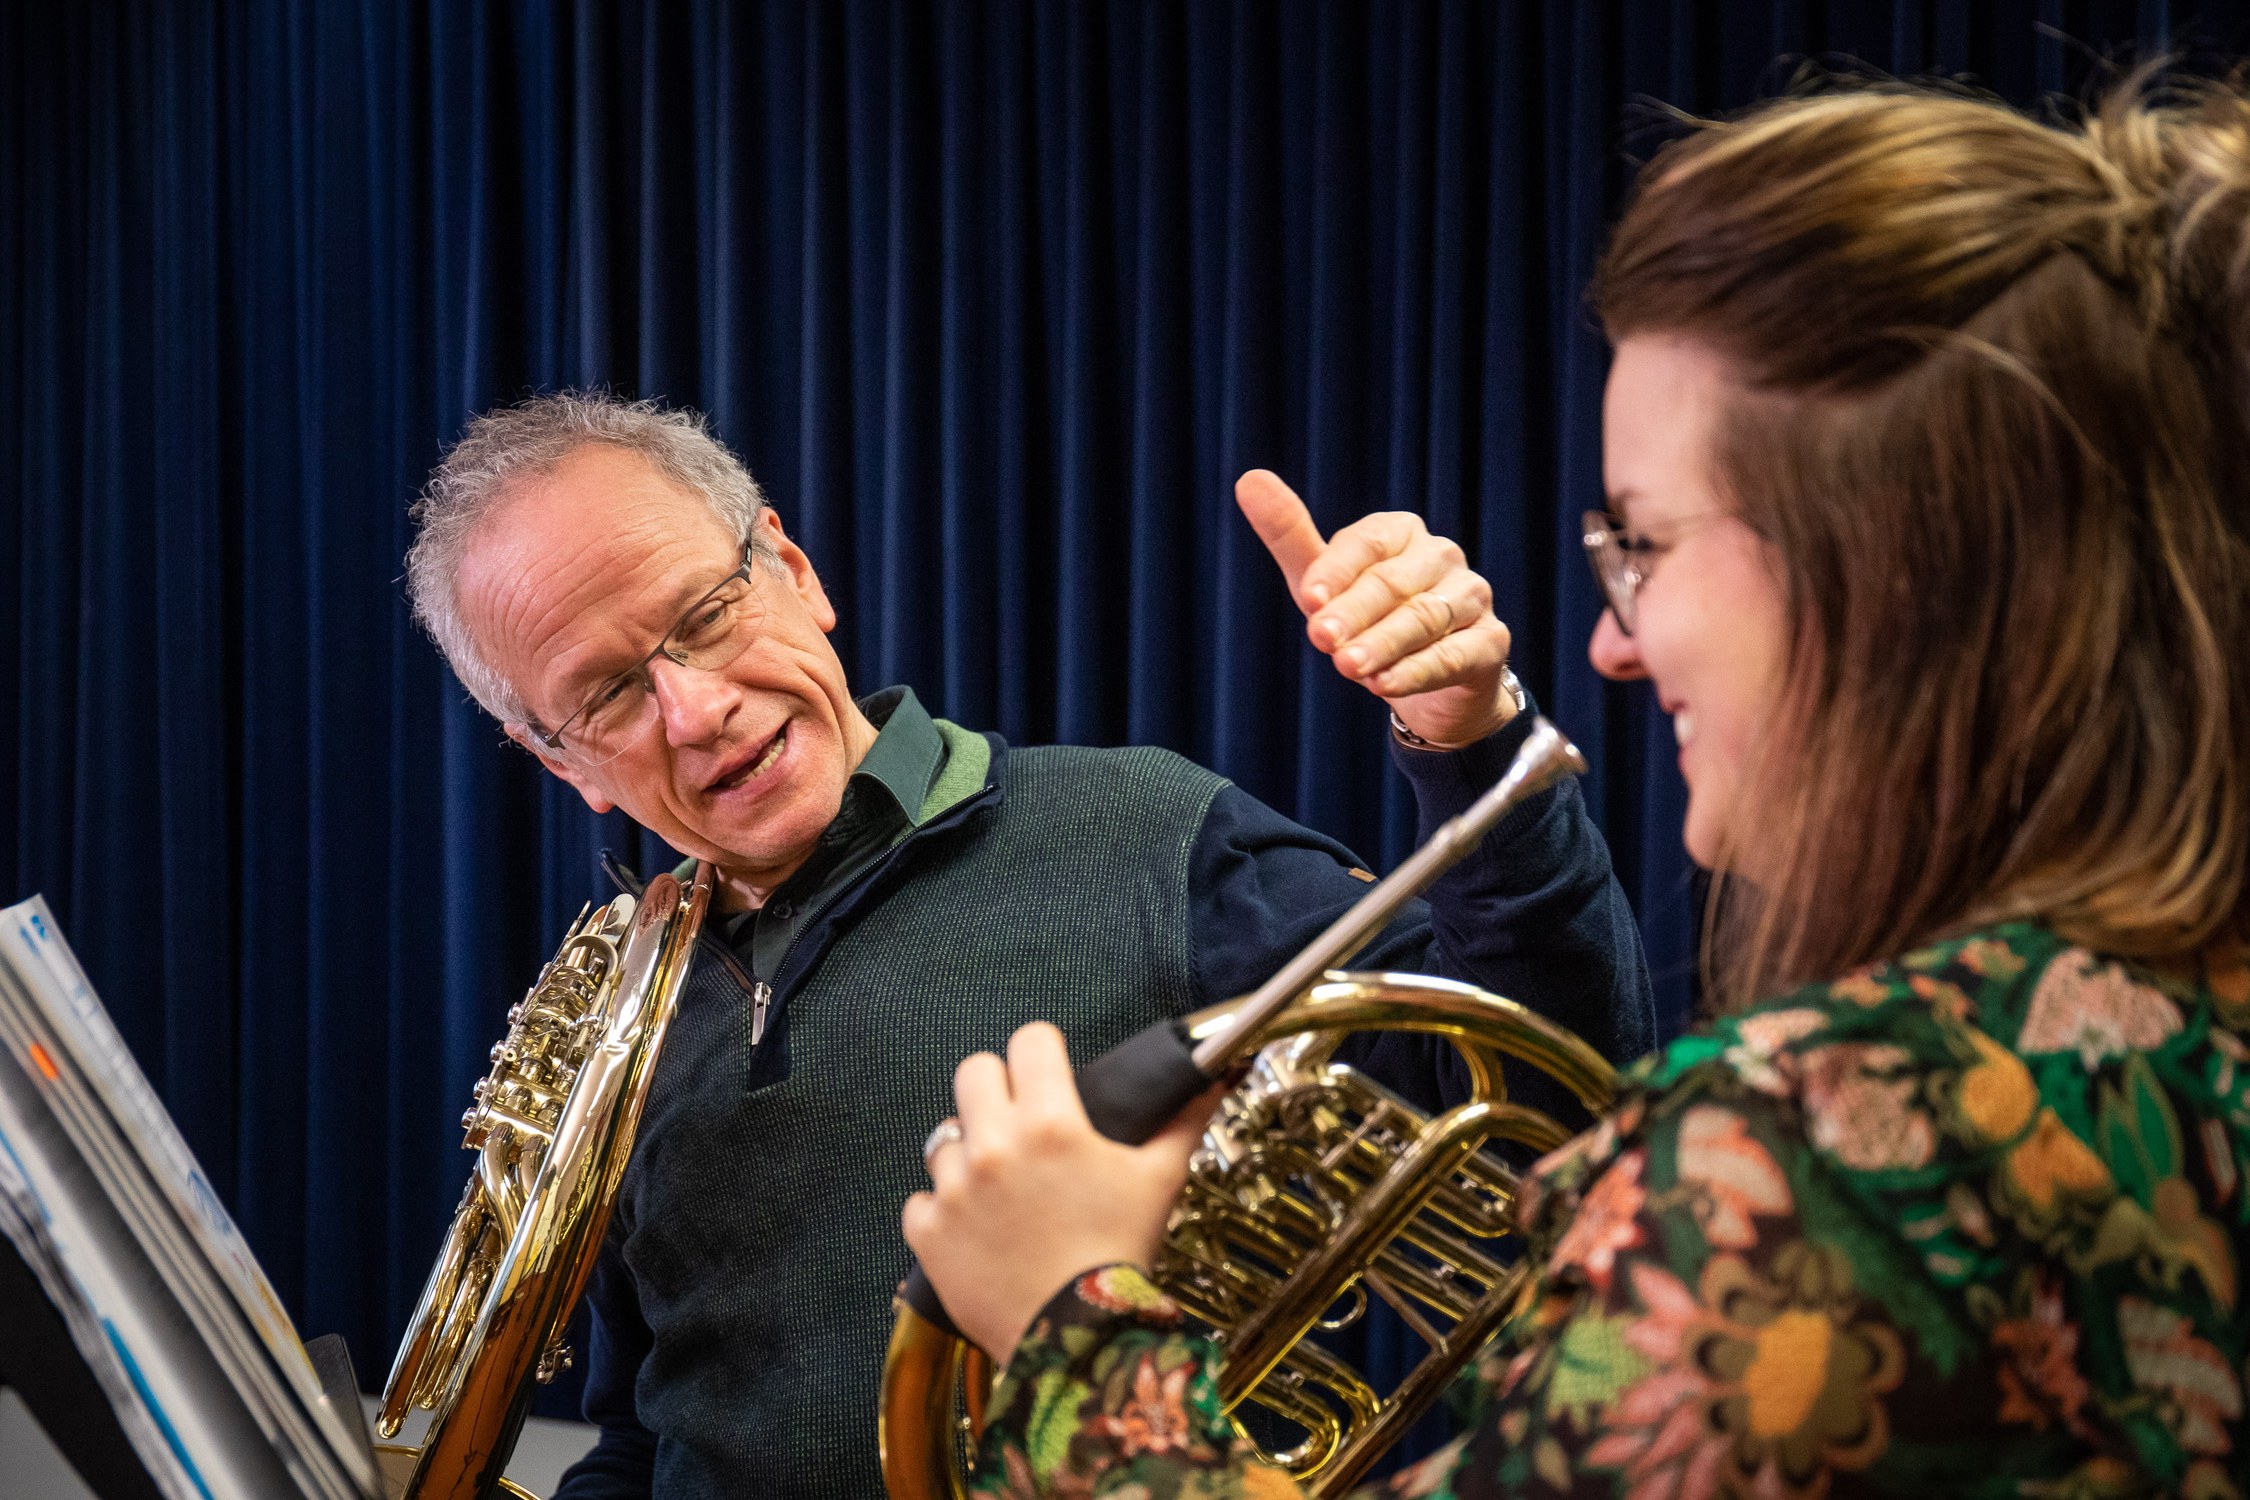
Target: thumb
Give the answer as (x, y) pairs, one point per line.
(1283, 524)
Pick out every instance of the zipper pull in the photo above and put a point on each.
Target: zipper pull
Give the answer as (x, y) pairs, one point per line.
(761, 998)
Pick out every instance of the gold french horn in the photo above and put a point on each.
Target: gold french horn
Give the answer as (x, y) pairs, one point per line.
(553, 1126)
(1314, 1189)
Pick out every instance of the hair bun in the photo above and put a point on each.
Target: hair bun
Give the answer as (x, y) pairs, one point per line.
(2176, 156)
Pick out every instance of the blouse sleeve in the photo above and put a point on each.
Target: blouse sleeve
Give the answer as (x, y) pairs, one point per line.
(1106, 1392)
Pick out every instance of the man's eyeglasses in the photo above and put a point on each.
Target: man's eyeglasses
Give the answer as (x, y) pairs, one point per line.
(708, 638)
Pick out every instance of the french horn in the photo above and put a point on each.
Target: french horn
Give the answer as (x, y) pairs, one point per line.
(552, 1125)
(1314, 1189)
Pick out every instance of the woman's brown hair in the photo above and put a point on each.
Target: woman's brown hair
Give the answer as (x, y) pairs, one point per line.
(1990, 415)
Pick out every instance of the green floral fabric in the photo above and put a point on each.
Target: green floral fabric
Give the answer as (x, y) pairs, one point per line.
(1966, 1224)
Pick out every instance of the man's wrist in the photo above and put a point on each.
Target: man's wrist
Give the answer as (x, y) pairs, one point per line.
(1516, 701)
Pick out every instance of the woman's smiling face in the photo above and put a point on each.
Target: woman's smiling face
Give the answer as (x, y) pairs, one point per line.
(1710, 629)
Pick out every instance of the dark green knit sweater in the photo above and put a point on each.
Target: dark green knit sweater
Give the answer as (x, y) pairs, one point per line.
(1064, 898)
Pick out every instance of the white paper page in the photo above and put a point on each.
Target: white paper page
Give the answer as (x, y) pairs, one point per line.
(33, 948)
(35, 943)
(187, 1426)
(162, 1242)
(25, 1223)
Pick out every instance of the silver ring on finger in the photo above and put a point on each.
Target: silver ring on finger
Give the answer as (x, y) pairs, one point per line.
(1450, 616)
(947, 1133)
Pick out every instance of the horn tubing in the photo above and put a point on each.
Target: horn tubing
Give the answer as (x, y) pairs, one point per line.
(1545, 758)
(1423, 1385)
(538, 1278)
(1258, 1344)
(1483, 1026)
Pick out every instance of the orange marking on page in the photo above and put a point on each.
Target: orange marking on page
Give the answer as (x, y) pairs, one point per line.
(45, 1064)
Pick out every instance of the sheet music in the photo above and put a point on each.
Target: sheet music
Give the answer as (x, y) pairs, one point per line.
(69, 1055)
(147, 1363)
(108, 1066)
(27, 1224)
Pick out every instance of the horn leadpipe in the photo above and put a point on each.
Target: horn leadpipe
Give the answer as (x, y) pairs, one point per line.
(1545, 758)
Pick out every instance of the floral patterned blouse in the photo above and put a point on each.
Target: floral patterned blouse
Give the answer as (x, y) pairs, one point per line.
(1967, 1224)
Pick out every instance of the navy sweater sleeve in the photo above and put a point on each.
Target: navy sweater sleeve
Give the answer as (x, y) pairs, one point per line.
(1535, 914)
(622, 1465)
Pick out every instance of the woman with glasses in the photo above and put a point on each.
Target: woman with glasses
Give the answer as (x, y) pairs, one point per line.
(1923, 444)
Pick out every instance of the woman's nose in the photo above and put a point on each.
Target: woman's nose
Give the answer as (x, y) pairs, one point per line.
(1613, 652)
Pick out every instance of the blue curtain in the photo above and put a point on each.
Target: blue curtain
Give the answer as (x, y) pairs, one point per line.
(996, 297)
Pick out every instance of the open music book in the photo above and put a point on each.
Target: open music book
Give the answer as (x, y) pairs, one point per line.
(164, 1300)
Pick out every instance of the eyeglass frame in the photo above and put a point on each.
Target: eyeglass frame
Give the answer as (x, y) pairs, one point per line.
(1610, 555)
(1611, 546)
(553, 740)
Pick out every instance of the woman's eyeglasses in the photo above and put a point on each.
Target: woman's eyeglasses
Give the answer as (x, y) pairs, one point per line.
(1621, 560)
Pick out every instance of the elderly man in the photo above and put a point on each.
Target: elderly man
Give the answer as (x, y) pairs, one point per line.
(898, 892)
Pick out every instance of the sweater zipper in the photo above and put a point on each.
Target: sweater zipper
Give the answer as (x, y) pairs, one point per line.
(761, 1000)
(743, 978)
(761, 993)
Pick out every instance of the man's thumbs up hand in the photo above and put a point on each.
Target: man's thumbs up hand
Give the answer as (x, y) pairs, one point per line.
(1397, 610)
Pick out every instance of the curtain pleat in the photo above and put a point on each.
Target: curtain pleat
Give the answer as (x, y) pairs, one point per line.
(996, 297)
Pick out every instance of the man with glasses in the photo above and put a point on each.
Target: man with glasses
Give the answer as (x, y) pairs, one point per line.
(896, 892)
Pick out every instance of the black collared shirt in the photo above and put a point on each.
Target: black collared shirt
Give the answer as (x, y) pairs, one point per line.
(883, 803)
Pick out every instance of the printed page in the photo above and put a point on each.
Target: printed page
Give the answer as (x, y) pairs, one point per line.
(187, 1428)
(30, 940)
(102, 1097)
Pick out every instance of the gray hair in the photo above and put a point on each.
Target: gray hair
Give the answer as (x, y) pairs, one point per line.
(499, 450)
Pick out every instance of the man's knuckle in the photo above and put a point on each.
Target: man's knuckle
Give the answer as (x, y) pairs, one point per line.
(1398, 574)
(1372, 537)
(1341, 609)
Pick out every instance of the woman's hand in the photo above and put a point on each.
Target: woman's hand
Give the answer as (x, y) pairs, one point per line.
(1031, 1196)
